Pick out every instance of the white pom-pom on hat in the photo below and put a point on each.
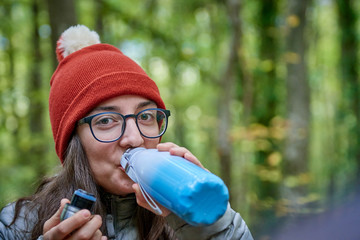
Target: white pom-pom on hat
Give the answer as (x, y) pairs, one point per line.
(74, 39)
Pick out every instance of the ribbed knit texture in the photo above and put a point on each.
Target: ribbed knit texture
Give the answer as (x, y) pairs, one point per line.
(88, 77)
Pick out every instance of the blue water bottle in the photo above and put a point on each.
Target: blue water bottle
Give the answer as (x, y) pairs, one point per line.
(194, 194)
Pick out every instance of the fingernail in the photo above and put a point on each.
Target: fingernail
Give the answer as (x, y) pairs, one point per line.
(86, 214)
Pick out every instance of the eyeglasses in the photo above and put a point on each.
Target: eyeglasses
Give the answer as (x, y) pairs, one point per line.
(110, 126)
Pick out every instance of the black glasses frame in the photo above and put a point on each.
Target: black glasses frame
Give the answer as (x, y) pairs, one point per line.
(88, 120)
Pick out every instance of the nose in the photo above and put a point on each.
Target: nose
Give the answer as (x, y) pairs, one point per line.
(131, 136)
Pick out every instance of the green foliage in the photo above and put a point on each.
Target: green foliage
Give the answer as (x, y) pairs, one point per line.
(183, 46)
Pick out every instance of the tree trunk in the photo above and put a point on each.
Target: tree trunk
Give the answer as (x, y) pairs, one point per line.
(265, 107)
(266, 99)
(37, 106)
(298, 102)
(227, 83)
(62, 15)
(99, 24)
(349, 75)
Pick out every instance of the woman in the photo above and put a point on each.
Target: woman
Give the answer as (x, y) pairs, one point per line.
(102, 103)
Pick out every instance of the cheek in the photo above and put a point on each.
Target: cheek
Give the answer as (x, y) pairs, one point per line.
(92, 149)
(95, 151)
(102, 162)
(91, 146)
(101, 155)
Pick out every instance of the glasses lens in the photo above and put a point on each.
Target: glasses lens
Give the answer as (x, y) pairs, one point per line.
(107, 126)
(152, 122)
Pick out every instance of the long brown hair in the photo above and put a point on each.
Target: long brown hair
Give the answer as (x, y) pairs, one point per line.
(76, 173)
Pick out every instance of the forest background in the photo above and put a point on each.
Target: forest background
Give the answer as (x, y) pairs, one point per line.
(264, 92)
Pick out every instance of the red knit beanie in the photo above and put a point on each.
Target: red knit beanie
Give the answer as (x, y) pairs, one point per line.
(88, 74)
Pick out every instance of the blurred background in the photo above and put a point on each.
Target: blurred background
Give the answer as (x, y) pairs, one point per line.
(264, 92)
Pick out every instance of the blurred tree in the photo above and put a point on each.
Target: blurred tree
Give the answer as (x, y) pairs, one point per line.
(8, 77)
(38, 109)
(298, 105)
(9, 121)
(266, 107)
(267, 94)
(349, 62)
(227, 85)
(100, 13)
(202, 54)
(62, 14)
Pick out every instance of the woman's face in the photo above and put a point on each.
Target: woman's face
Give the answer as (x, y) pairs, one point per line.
(104, 158)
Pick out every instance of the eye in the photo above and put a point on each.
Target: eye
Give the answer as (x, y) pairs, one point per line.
(106, 120)
(146, 117)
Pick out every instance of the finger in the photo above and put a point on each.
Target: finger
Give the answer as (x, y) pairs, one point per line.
(166, 146)
(55, 219)
(185, 153)
(191, 157)
(175, 150)
(172, 148)
(140, 198)
(142, 202)
(68, 226)
(90, 230)
(97, 236)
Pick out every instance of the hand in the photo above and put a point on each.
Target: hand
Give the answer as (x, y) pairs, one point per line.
(142, 202)
(179, 151)
(81, 225)
(174, 150)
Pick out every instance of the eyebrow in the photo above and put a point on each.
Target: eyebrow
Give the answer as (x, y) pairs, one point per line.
(116, 108)
(145, 104)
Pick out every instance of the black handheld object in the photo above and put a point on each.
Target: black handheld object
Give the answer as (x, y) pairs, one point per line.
(80, 200)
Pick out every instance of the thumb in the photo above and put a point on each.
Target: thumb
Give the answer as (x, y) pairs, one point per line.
(55, 219)
(143, 203)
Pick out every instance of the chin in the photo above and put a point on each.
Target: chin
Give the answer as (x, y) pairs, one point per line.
(123, 188)
(124, 193)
